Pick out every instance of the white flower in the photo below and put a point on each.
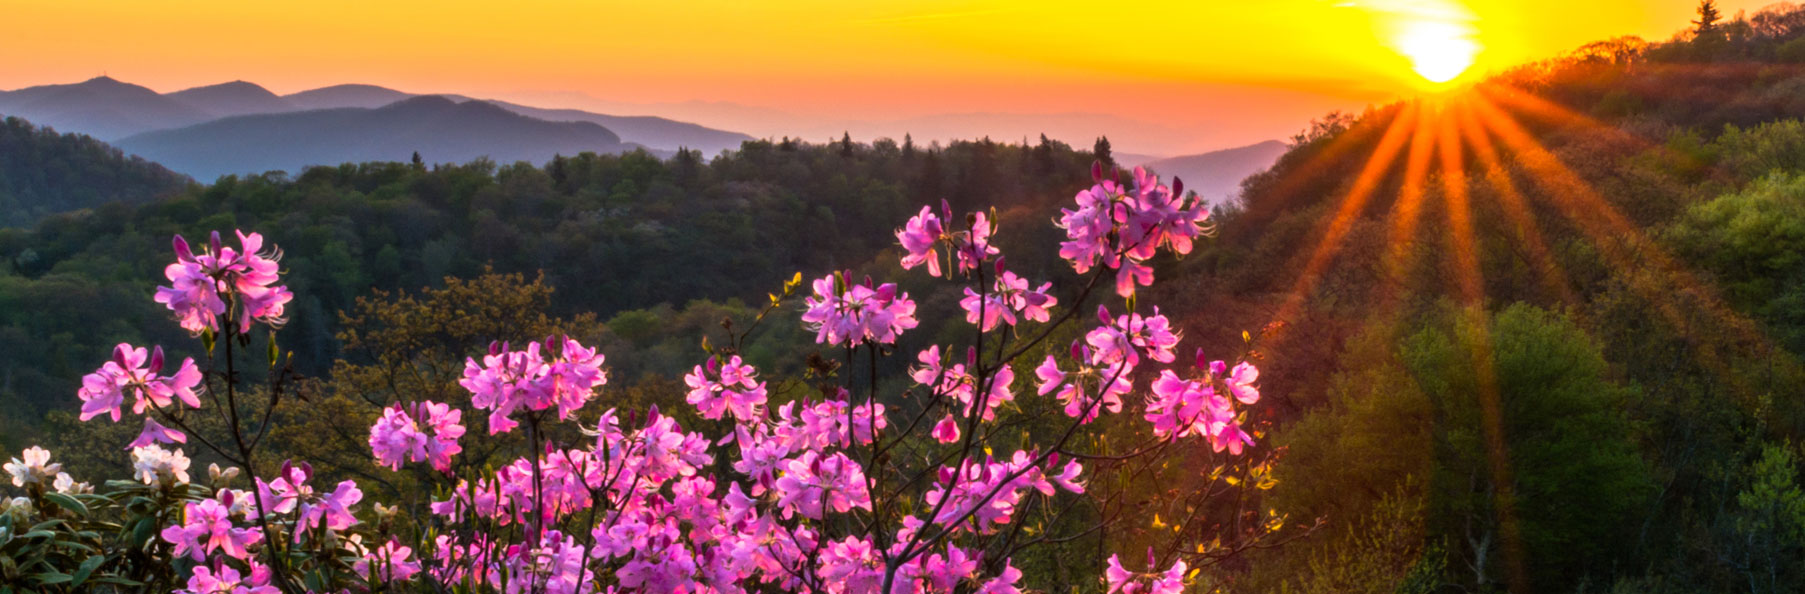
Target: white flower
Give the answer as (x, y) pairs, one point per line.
(35, 468)
(153, 463)
(66, 485)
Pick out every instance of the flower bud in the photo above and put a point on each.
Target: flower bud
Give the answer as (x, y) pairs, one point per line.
(213, 242)
(156, 359)
(182, 252)
(121, 353)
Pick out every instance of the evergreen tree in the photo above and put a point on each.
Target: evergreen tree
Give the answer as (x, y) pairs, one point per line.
(1101, 151)
(908, 148)
(846, 144)
(419, 164)
(1706, 25)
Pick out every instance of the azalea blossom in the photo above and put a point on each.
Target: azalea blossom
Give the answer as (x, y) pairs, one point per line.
(202, 284)
(34, 468)
(207, 527)
(854, 314)
(132, 370)
(154, 465)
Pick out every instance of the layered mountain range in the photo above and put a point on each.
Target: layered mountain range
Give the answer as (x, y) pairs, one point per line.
(240, 127)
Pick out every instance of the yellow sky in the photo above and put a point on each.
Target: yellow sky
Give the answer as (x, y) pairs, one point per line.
(1269, 62)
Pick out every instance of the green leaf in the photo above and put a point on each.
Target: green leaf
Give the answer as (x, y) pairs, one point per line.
(87, 569)
(51, 578)
(67, 502)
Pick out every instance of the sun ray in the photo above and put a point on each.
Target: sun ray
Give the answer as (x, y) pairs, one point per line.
(1329, 243)
(1522, 220)
(1471, 280)
(1625, 247)
(1401, 237)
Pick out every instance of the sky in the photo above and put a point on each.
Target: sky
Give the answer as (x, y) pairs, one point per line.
(1159, 78)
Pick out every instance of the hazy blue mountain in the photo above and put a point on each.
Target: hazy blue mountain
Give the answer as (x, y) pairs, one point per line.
(440, 129)
(652, 131)
(1217, 175)
(366, 96)
(101, 107)
(234, 98)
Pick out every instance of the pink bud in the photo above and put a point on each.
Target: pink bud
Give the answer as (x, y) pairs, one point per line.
(214, 243)
(946, 475)
(714, 365)
(120, 354)
(1178, 187)
(971, 356)
(1053, 459)
(946, 209)
(156, 359)
(225, 497)
(1103, 314)
(999, 265)
(494, 347)
(1201, 361)
(1077, 351)
(182, 251)
(1097, 171)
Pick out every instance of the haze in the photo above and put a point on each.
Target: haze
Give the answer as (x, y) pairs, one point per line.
(1200, 76)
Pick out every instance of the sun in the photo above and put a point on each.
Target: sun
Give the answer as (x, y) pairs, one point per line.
(1440, 51)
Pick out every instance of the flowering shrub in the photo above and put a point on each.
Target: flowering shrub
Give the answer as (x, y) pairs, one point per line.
(821, 484)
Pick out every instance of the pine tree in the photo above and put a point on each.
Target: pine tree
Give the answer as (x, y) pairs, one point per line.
(1101, 151)
(908, 148)
(846, 144)
(1707, 20)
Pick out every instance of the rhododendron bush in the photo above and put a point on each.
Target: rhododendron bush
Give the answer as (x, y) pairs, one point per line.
(1060, 417)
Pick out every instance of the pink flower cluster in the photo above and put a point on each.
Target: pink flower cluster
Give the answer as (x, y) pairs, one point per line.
(208, 527)
(204, 285)
(401, 435)
(224, 579)
(719, 389)
(957, 383)
(557, 373)
(290, 493)
(133, 371)
(922, 236)
(1124, 227)
(843, 314)
(1010, 296)
(1118, 580)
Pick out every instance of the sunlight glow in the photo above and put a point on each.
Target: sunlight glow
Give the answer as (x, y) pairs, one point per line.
(1438, 50)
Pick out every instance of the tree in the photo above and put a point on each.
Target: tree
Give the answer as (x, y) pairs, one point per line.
(846, 144)
(1706, 32)
(1100, 150)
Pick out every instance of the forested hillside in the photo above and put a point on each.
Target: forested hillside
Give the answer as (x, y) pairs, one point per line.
(43, 172)
(1538, 335)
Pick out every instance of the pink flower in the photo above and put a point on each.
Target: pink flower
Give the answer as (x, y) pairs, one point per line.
(155, 432)
(202, 284)
(134, 371)
(1119, 580)
(947, 430)
(333, 511)
(860, 313)
(973, 247)
(1010, 296)
(388, 563)
(919, 237)
(815, 484)
(508, 381)
(400, 435)
(207, 528)
(1240, 383)
(719, 390)
(223, 579)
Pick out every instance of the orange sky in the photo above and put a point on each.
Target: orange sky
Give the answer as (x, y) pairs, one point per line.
(1191, 75)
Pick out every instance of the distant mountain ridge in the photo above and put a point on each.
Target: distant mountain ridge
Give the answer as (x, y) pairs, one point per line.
(439, 129)
(112, 110)
(1217, 175)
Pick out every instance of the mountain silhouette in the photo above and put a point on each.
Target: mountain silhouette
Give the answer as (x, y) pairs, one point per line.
(1217, 175)
(231, 99)
(100, 107)
(440, 129)
(346, 96)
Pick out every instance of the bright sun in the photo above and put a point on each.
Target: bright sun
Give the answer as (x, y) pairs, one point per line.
(1438, 50)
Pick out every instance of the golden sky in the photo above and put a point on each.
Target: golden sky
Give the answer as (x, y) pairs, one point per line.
(1228, 71)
